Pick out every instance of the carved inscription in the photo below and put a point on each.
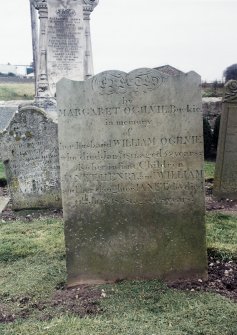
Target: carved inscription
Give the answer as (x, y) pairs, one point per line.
(134, 158)
(29, 150)
(131, 160)
(65, 42)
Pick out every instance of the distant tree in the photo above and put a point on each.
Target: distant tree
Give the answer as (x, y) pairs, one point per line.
(230, 72)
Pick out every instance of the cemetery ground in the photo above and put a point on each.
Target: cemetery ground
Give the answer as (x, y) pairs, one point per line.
(34, 300)
(15, 90)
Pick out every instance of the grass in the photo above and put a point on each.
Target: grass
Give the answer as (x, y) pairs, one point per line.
(222, 234)
(209, 169)
(2, 173)
(32, 264)
(17, 91)
(3, 181)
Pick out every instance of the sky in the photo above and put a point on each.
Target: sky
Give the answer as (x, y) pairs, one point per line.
(197, 35)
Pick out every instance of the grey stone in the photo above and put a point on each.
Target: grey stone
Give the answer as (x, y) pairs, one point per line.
(66, 43)
(131, 160)
(6, 114)
(3, 203)
(29, 150)
(168, 69)
(63, 48)
(225, 181)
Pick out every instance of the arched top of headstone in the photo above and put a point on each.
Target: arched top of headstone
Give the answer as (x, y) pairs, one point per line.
(93, 3)
(89, 4)
(142, 80)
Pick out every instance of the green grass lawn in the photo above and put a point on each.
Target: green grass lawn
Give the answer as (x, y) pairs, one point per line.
(17, 91)
(222, 234)
(2, 173)
(32, 265)
(209, 169)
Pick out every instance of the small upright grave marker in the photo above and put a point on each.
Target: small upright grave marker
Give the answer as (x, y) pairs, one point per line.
(29, 150)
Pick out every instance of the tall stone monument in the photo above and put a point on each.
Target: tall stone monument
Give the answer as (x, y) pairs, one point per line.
(225, 182)
(63, 48)
(131, 160)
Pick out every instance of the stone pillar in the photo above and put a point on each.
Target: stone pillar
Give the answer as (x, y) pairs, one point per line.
(88, 7)
(42, 85)
(35, 40)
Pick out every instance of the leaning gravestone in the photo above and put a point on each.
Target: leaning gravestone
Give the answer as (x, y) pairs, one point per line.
(29, 150)
(131, 160)
(225, 185)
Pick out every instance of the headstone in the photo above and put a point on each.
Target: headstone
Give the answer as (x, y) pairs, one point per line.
(6, 114)
(66, 42)
(168, 69)
(131, 160)
(64, 46)
(29, 150)
(225, 181)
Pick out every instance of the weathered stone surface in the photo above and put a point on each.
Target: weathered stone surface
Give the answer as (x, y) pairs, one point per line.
(6, 114)
(3, 203)
(29, 150)
(225, 185)
(8, 109)
(63, 48)
(66, 41)
(131, 159)
(168, 69)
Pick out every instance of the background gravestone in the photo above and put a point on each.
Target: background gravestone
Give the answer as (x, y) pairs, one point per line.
(29, 150)
(225, 181)
(62, 46)
(131, 160)
(6, 114)
(66, 42)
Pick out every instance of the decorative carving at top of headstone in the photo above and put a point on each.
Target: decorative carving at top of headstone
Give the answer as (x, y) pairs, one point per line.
(170, 70)
(230, 91)
(89, 5)
(117, 82)
(40, 4)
